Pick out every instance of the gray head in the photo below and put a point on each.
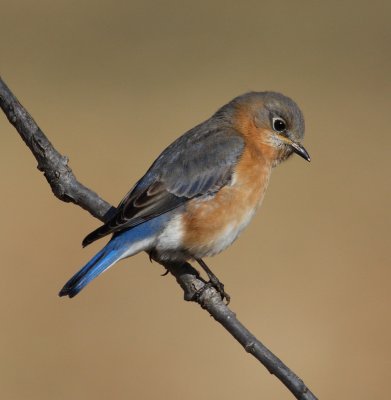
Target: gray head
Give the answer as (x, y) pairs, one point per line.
(273, 118)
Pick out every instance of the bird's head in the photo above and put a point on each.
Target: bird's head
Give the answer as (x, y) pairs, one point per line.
(273, 120)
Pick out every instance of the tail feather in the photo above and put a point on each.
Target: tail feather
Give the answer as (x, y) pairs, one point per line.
(123, 244)
(101, 262)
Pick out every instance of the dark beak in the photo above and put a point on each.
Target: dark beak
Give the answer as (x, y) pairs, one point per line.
(300, 150)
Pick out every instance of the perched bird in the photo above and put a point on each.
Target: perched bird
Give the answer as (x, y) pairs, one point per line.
(203, 190)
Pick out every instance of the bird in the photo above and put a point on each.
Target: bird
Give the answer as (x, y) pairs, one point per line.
(203, 189)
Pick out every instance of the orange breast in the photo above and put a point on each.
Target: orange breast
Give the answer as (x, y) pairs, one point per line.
(212, 224)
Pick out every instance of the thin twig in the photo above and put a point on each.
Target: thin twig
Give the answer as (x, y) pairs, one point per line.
(65, 186)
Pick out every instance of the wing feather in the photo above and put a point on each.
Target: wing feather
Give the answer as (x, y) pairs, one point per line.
(198, 163)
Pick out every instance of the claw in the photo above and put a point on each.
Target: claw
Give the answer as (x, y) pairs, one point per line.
(214, 282)
(224, 295)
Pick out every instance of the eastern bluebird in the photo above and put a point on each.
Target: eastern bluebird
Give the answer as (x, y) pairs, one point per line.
(203, 190)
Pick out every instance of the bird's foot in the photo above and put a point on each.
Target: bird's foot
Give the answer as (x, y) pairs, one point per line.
(219, 287)
(213, 282)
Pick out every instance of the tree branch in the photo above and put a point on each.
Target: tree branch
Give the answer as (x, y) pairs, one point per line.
(66, 187)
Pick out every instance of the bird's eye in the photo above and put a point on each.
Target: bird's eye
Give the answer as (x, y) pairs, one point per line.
(279, 124)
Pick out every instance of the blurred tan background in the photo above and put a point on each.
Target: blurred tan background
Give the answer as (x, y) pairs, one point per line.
(112, 83)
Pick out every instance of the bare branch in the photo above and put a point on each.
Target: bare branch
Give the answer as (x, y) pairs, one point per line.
(54, 165)
(65, 186)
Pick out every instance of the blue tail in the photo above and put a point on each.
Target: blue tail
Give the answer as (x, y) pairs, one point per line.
(98, 264)
(123, 244)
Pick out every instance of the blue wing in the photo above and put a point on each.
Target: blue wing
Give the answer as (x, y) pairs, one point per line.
(198, 163)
